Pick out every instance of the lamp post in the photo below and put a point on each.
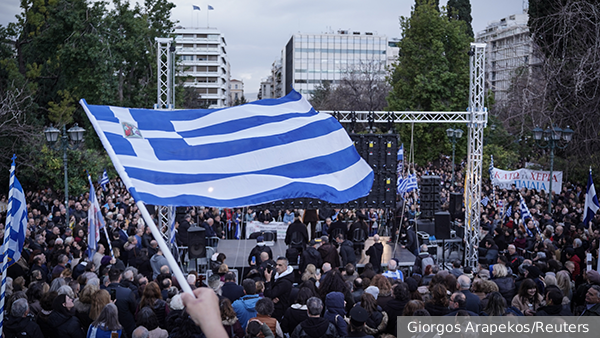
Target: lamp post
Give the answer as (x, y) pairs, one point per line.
(453, 136)
(75, 133)
(551, 137)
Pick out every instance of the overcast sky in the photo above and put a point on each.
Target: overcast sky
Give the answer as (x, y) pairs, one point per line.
(257, 30)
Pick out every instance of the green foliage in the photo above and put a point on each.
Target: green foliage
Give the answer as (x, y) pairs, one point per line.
(432, 74)
(461, 10)
(320, 95)
(62, 113)
(239, 101)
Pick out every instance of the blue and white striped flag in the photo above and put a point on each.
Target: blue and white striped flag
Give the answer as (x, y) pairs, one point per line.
(196, 8)
(238, 229)
(400, 154)
(14, 234)
(104, 180)
(16, 221)
(251, 154)
(508, 212)
(171, 219)
(408, 184)
(485, 200)
(591, 202)
(526, 214)
(95, 221)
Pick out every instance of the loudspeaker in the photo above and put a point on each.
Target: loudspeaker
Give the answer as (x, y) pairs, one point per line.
(426, 226)
(456, 201)
(196, 242)
(442, 225)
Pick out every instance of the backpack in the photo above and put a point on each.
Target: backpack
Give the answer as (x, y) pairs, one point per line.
(426, 261)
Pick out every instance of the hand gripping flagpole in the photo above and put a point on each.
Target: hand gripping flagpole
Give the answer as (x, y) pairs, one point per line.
(165, 249)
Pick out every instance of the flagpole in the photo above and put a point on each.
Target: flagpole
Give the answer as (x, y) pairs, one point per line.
(8, 226)
(165, 249)
(207, 10)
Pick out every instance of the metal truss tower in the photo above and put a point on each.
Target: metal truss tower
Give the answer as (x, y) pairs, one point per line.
(476, 120)
(164, 61)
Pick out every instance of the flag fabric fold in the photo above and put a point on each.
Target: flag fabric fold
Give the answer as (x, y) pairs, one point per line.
(172, 230)
(196, 8)
(95, 220)
(14, 234)
(210, 8)
(256, 153)
(407, 184)
(524, 210)
(591, 202)
(104, 180)
(400, 154)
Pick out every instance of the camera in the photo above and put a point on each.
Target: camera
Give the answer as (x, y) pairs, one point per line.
(270, 267)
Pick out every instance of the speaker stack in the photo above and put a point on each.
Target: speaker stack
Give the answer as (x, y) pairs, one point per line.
(430, 196)
(456, 203)
(196, 242)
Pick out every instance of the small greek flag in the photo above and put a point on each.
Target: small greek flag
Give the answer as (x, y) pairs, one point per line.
(508, 212)
(400, 154)
(196, 8)
(485, 201)
(408, 184)
(104, 180)
(591, 202)
(210, 8)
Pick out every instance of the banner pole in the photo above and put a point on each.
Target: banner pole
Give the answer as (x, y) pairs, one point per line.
(165, 249)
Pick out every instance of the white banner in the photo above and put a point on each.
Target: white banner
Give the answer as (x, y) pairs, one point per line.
(526, 178)
(255, 226)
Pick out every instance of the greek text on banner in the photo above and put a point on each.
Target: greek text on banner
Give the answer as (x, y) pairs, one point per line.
(526, 178)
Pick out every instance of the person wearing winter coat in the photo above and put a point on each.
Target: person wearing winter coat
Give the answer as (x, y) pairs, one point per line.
(106, 324)
(506, 284)
(311, 255)
(230, 322)
(20, 324)
(335, 312)
(377, 319)
(554, 305)
(62, 323)
(244, 307)
(278, 286)
(297, 312)
(315, 326)
(264, 309)
(346, 250)
(375, 252)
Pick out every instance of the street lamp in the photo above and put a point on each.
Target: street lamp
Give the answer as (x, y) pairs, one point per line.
(453, 135)
(76, 135)
(551, 137)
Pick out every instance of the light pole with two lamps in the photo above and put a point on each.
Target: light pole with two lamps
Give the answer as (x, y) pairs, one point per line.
(552, 137)
(76, 135)
(453, 136)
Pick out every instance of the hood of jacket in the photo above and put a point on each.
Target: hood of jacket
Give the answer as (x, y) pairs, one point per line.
(286, 273)
(334, 302)
(313, 253)
(315, 327)
(348, 244)
(17, 324)
(249, 302)
(57, 319)
(229, 321)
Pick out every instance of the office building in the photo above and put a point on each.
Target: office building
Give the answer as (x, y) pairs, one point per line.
(203, 60)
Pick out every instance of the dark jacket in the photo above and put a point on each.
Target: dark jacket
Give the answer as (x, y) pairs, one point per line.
(310, 256)
(347, 253)
(553, 310)
(182, 233)
(436, 309)
(394, 309)
(293, 316)
(256, 251)
(64, 326)
(315, 328)
(593, 311)
(334, 303)
(375, 252)
(330, 255)
(454, 312)
(298, 227)
(21, 327)
(126, 304)
(356, 225)
(280, 288)
(335, 228)
(506, 286)
(232, 291)
(473, 301)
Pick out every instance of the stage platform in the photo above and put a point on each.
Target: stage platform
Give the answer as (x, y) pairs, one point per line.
(237, 252)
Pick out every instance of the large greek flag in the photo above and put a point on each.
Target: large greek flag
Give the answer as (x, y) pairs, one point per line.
(251, 154)
(591, 202)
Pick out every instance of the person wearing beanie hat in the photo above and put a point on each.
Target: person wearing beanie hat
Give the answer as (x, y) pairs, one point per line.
(372, 290)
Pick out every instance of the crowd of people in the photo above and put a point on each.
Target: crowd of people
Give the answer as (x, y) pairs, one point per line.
(538, 266)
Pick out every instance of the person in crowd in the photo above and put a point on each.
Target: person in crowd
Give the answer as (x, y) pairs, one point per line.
(315, 326)
(554, 306)
(245, 307)
(279, 285)
(62, 323)
(506, 284)
(393, 272)
(528, 299)
(147, 318)
(335, 312)
(358, 319)
(329, 253)
(346, 250)
(375, 252)
(297, 312)
(21, 323)
(395, 307)
(230, 322)
(107, 324)
(495, 306)
(592, 301)
(257, 329)
(125, 301)
(377, 318)
(473, 302)
(230, 289)
(458, 302)
(152, 298)
(254, 259)
(311, 255)
(264, 309)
